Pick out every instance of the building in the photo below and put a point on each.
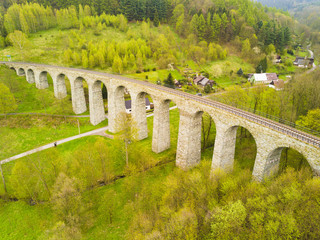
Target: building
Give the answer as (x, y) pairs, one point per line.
(277, 84)
(303, 62)
(203, 81)
(128, 105)
(278, 59)
(262, 78)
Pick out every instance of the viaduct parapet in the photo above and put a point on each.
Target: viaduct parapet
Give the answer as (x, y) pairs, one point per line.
(270, 137)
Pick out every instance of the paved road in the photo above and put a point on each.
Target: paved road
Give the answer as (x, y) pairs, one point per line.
(99, 132)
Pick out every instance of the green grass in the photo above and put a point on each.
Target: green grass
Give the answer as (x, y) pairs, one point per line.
(22, 133)
(154, 76)
(221, 70)
(19, 220)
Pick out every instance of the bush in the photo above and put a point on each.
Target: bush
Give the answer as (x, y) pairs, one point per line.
(290, 52)
(154, 69)
(138, 71)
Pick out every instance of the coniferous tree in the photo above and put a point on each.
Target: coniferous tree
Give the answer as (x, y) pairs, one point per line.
(156, 21)
(169, 81)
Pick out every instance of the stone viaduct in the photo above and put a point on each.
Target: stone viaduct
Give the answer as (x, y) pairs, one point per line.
(271, 137)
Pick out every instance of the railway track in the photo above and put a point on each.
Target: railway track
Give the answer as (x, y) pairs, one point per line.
(303, 136)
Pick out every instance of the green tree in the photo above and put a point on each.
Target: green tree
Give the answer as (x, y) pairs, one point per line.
(169, 81)
(262, 66)
(117, 64)
(240, 72)
(23, 23)
(246, 48)
(311, 120)
(229, 221)
(216, 24)
(18, 39)
(128, 132)
(67, 204)
(156, 21)
(84, 59)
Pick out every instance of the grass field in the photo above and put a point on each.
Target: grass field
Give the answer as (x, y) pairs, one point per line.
(22, 133)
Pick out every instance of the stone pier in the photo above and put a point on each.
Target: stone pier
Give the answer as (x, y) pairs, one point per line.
(96, 105)
(78, 98)
(161, 125)
(189, 140)
(139, 116)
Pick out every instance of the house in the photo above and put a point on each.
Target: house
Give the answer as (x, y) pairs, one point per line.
(277, 84)
(177, 83)
(278, 59)
(263, 78)
(128, 105)
(303, 62)
(203, 81)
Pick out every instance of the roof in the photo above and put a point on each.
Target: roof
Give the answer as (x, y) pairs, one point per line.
(259, 77)
(128, 103)
(198, 79)
(272, 76)
(264, 77)
(303, 62)
(204, 81)
(278, 84)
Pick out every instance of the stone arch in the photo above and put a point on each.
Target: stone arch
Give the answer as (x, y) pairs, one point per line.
(276, 156)
(30, 76)
(226, 145)
(21, 72)
(78, 93)
(43, 80)
(96, 103)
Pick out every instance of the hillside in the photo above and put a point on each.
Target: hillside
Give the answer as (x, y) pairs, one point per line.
(305, 11)
(117, 188)
(290, 5)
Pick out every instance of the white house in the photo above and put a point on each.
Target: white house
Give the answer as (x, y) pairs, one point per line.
(263, 78)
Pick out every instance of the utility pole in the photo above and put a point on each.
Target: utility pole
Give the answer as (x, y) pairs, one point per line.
(78, 126)
(3, 180)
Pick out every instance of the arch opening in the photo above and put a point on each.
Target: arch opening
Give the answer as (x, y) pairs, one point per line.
(208, 136)
(44, 80)
(245, 149)
(235, 148)
(21, 72)
(293, 159)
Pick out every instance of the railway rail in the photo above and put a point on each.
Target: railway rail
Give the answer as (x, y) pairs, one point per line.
(303, 136)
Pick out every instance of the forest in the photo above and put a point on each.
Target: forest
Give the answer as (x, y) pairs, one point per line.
(101, 188)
